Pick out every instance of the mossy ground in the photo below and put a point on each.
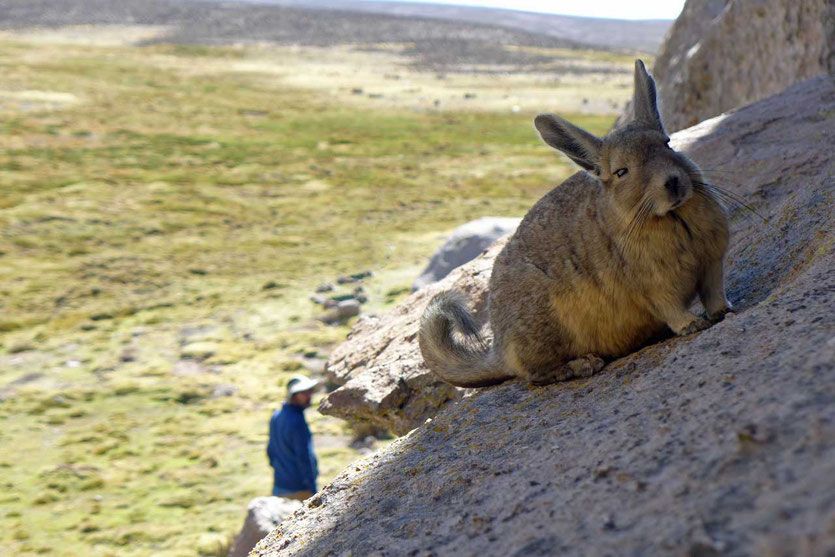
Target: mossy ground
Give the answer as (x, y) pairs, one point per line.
(165, 213)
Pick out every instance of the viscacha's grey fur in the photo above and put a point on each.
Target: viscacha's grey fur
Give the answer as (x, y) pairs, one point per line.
(606, 261)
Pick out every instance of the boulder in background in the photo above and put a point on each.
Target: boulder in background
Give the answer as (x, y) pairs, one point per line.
(465, 244)
(262, 515)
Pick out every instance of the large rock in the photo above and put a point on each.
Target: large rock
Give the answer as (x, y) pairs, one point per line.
(465, 244)
(721, 54)
(262, 515)
(718, 443)
(774, 155)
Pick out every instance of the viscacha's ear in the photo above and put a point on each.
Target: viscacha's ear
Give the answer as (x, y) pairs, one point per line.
(580, 146)
(645, 101)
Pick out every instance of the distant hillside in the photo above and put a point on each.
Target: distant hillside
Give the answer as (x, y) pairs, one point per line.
(440, 45)
(328, 22)
(642, 35)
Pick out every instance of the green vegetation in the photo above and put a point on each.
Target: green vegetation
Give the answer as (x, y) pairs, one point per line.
(162, 222)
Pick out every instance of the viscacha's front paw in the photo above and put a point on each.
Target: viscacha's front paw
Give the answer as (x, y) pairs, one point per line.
(717, 316)
(698, 324)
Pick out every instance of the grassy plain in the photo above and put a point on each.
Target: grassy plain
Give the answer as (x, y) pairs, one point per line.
(165, 213)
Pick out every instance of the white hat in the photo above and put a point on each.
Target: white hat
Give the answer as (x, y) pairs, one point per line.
(300, 384)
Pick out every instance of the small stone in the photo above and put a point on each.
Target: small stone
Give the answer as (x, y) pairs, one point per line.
(348, 308)
(198, 350)
(223, 390)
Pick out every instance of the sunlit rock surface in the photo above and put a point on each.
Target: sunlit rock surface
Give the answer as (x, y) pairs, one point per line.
(722, 54)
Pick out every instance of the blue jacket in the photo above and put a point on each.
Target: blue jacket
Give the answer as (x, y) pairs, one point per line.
(290, 451)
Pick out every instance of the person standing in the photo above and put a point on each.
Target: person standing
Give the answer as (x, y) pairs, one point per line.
(290, 448)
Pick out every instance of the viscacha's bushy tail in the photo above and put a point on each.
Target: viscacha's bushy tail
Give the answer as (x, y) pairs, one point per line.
(452, 346)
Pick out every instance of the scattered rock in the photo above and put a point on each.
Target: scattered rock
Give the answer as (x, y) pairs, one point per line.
(340, 311)
(322, 288)
(195, 333)
(224, 389)
(188, 367)
(32, 376)
(263, 514)
(348, 308)
(367, 442)
(198, 350)
(466, 242)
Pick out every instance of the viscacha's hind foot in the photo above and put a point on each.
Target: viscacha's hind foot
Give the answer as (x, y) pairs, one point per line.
(585, 366)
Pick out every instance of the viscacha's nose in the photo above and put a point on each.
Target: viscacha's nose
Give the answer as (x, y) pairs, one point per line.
(672, 186)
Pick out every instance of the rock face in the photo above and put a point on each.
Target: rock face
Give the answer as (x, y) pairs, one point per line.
(721, 54)
(465, 244)
(722, 442)
(262, 515)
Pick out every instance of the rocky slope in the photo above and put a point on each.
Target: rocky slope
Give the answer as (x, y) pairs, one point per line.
(720, 54)
(761, 153)
(719, 443)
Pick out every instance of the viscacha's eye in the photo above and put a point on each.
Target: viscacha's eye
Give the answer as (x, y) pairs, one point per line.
(621, 172)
